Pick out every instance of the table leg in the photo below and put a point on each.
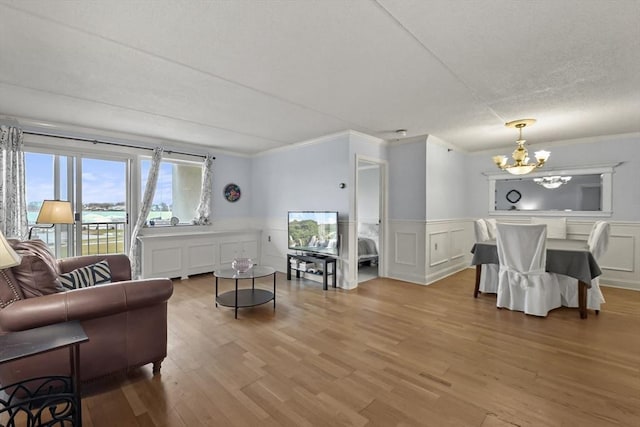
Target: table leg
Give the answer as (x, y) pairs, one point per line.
(325, 275)
(582, 299)
(334, 273)
(476, 290)
(274, 291)
(253, 283)
(236, 298)
(288, 267)
(216, 291)
(74, 356)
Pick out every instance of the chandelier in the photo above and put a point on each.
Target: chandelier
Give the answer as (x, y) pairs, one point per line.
(552, 182)
(521, 165)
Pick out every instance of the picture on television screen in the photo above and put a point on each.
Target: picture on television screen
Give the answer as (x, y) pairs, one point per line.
(314, 231)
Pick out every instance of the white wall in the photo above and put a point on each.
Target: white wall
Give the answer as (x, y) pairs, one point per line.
(446, 181)
(304, 177)
(407, 180)
(232, 169)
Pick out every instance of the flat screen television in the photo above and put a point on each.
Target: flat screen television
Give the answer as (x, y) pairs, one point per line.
(314, 231)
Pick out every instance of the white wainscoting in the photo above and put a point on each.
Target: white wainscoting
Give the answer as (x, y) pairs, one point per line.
(406, 250)
(447, 248)
(426, 251)
(620, 265)
(181, 254)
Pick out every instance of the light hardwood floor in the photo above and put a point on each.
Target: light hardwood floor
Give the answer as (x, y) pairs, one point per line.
(389, 353)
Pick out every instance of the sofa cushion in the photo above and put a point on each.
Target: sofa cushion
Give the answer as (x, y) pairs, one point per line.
(91, 275)
(37, 274)
(9, 288)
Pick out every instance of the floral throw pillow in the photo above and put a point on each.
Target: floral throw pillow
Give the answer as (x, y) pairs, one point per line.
(91, 275)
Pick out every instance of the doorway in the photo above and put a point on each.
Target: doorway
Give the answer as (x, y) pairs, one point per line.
(369, 215)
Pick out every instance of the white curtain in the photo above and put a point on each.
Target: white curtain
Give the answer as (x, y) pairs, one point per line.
(13, 203)
(203, 212)
(145, 207)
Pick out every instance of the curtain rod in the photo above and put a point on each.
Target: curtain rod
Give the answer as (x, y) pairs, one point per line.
(118, 144)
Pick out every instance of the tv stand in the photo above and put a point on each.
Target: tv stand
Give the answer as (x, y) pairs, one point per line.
(315, 258)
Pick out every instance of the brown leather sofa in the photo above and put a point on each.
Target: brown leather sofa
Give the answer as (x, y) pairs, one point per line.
(126, 322)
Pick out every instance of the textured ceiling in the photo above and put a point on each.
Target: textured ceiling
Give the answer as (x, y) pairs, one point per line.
(248, 76)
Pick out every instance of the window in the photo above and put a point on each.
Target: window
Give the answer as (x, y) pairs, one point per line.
(177, 191)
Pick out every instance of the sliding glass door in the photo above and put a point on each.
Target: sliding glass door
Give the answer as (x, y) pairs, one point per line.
(98, 190)
(47, 178)
(102, 223)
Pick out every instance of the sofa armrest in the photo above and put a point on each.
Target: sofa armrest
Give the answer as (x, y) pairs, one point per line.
(118, 263)
(85, 303)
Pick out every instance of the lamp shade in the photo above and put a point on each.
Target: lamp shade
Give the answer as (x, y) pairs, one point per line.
(55, 212)
(8, 257)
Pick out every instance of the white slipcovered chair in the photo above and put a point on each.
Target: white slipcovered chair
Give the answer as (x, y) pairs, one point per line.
(556, 227)
(598, 243)
(523, 284)
(488, 272)
(491, 227)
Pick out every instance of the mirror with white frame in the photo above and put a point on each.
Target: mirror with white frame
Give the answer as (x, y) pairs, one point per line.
(566, 192)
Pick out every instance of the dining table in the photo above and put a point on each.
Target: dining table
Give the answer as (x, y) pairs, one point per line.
(563, 256)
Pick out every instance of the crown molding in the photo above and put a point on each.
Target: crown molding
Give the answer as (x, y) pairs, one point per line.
(325, 138)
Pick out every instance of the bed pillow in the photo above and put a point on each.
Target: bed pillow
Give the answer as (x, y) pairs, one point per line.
(90, 275)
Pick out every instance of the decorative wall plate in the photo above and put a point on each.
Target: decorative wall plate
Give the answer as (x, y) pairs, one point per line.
(232, 192)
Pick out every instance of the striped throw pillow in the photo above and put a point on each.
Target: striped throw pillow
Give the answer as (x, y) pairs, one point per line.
(91, 275)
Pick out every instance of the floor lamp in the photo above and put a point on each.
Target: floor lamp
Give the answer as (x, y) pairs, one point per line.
(53, 212)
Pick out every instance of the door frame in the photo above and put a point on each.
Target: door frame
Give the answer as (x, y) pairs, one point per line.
(383, 206)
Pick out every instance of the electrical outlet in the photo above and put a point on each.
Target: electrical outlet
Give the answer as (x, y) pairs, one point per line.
(268, 238)
(436, 246)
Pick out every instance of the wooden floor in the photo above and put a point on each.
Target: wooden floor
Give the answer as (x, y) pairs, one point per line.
(388, 353)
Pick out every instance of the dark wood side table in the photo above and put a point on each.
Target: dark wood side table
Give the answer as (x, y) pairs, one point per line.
(52, 400)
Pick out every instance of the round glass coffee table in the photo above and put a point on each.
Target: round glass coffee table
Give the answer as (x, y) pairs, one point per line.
(239, 298)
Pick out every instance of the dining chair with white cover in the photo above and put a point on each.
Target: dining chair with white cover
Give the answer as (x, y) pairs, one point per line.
(523, 283)
(556, 227)
(488, 272)
(598, 243)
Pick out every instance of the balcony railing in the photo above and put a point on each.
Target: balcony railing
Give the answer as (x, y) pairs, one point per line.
(98, 238)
